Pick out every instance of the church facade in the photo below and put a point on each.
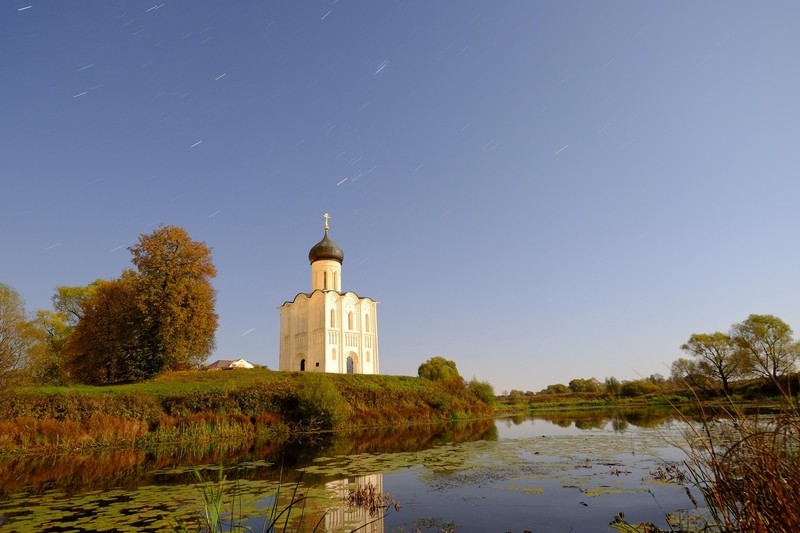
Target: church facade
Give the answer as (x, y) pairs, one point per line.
(327, 330)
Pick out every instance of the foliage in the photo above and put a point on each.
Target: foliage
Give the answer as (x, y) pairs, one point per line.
(558, 388)
(438, 369)
(483, 390)
(70, 302)
(584, 385)
(16, 336)
(46, 364)
(199, 406)
(695, 374)
(108, 344)
(613, 386)
(175, 297)
(320, 403)
(515, 397)
(156, 318)
(717, 355)
(639, 387)
(767, 342)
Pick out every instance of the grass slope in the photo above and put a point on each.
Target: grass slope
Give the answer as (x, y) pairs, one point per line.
(201, 406)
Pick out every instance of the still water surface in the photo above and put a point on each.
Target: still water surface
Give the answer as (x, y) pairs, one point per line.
(560, 472)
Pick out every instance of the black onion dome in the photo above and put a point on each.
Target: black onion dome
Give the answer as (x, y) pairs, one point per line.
(326, 249)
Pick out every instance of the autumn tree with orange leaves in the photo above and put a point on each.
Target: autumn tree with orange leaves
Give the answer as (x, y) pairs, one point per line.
(155, 318)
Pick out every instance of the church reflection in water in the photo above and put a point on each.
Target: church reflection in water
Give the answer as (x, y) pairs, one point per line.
(367, 515)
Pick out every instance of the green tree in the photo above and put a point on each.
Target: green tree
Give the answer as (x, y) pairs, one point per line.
(717, 355)
(557, 388)
(639, 387)
(46, 365)
(176, 297)
(767, 342)
(483, 390)
(438, 369)
(516, 397)
(613, 386)
(71, 301)
(584, 385)
(693, 373)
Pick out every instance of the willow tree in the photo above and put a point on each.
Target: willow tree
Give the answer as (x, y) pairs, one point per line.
(767, 341)
(717, 357)
(175, 297)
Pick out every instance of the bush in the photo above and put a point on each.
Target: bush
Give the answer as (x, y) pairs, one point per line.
(438, 369)
(483, 390)
(640, 387)
(319, 402)
(558, 388)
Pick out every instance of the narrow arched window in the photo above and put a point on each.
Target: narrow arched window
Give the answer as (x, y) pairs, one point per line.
(366, 323)
(333, 318)
(350, 320)
(333, 353)
(325, 285)
(367, 357)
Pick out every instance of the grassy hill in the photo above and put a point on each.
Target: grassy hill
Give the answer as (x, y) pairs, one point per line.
(205, 405)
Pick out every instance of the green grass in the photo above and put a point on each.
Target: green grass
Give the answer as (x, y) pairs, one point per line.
(204, 405)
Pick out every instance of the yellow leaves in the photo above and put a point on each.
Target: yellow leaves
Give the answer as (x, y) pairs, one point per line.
(155, 318)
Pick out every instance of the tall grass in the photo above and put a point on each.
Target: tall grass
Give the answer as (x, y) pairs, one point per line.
(748, 469)
(745, 463)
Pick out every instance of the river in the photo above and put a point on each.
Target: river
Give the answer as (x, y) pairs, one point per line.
(561, 472)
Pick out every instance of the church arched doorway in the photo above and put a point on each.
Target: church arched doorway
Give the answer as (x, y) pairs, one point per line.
(351, 363)
(302, 365)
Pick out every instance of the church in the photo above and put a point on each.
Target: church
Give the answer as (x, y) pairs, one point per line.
(327, 330)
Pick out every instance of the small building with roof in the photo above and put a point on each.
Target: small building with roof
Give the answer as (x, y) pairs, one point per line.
(229, 364)
(327, 330)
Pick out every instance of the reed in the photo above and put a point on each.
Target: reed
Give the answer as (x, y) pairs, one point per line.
(284, 515)
(745, 463)
(748, 469)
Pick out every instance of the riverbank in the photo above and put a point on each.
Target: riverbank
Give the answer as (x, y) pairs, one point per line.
(201, 406)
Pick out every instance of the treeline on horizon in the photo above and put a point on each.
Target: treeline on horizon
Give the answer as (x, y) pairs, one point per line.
(757, 357)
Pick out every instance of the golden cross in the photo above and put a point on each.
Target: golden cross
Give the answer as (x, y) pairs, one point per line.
(327, 216)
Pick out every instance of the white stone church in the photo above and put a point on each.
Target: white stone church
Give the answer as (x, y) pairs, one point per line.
(327, 330)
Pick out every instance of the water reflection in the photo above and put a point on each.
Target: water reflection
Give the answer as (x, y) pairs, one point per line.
(574, 422)
(128, 468)
(366, 518)
(504, 463)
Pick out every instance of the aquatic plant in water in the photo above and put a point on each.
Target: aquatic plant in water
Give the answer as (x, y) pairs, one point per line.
(279, 518)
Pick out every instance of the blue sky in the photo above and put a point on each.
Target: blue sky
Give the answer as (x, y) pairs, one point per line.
(537, 190)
